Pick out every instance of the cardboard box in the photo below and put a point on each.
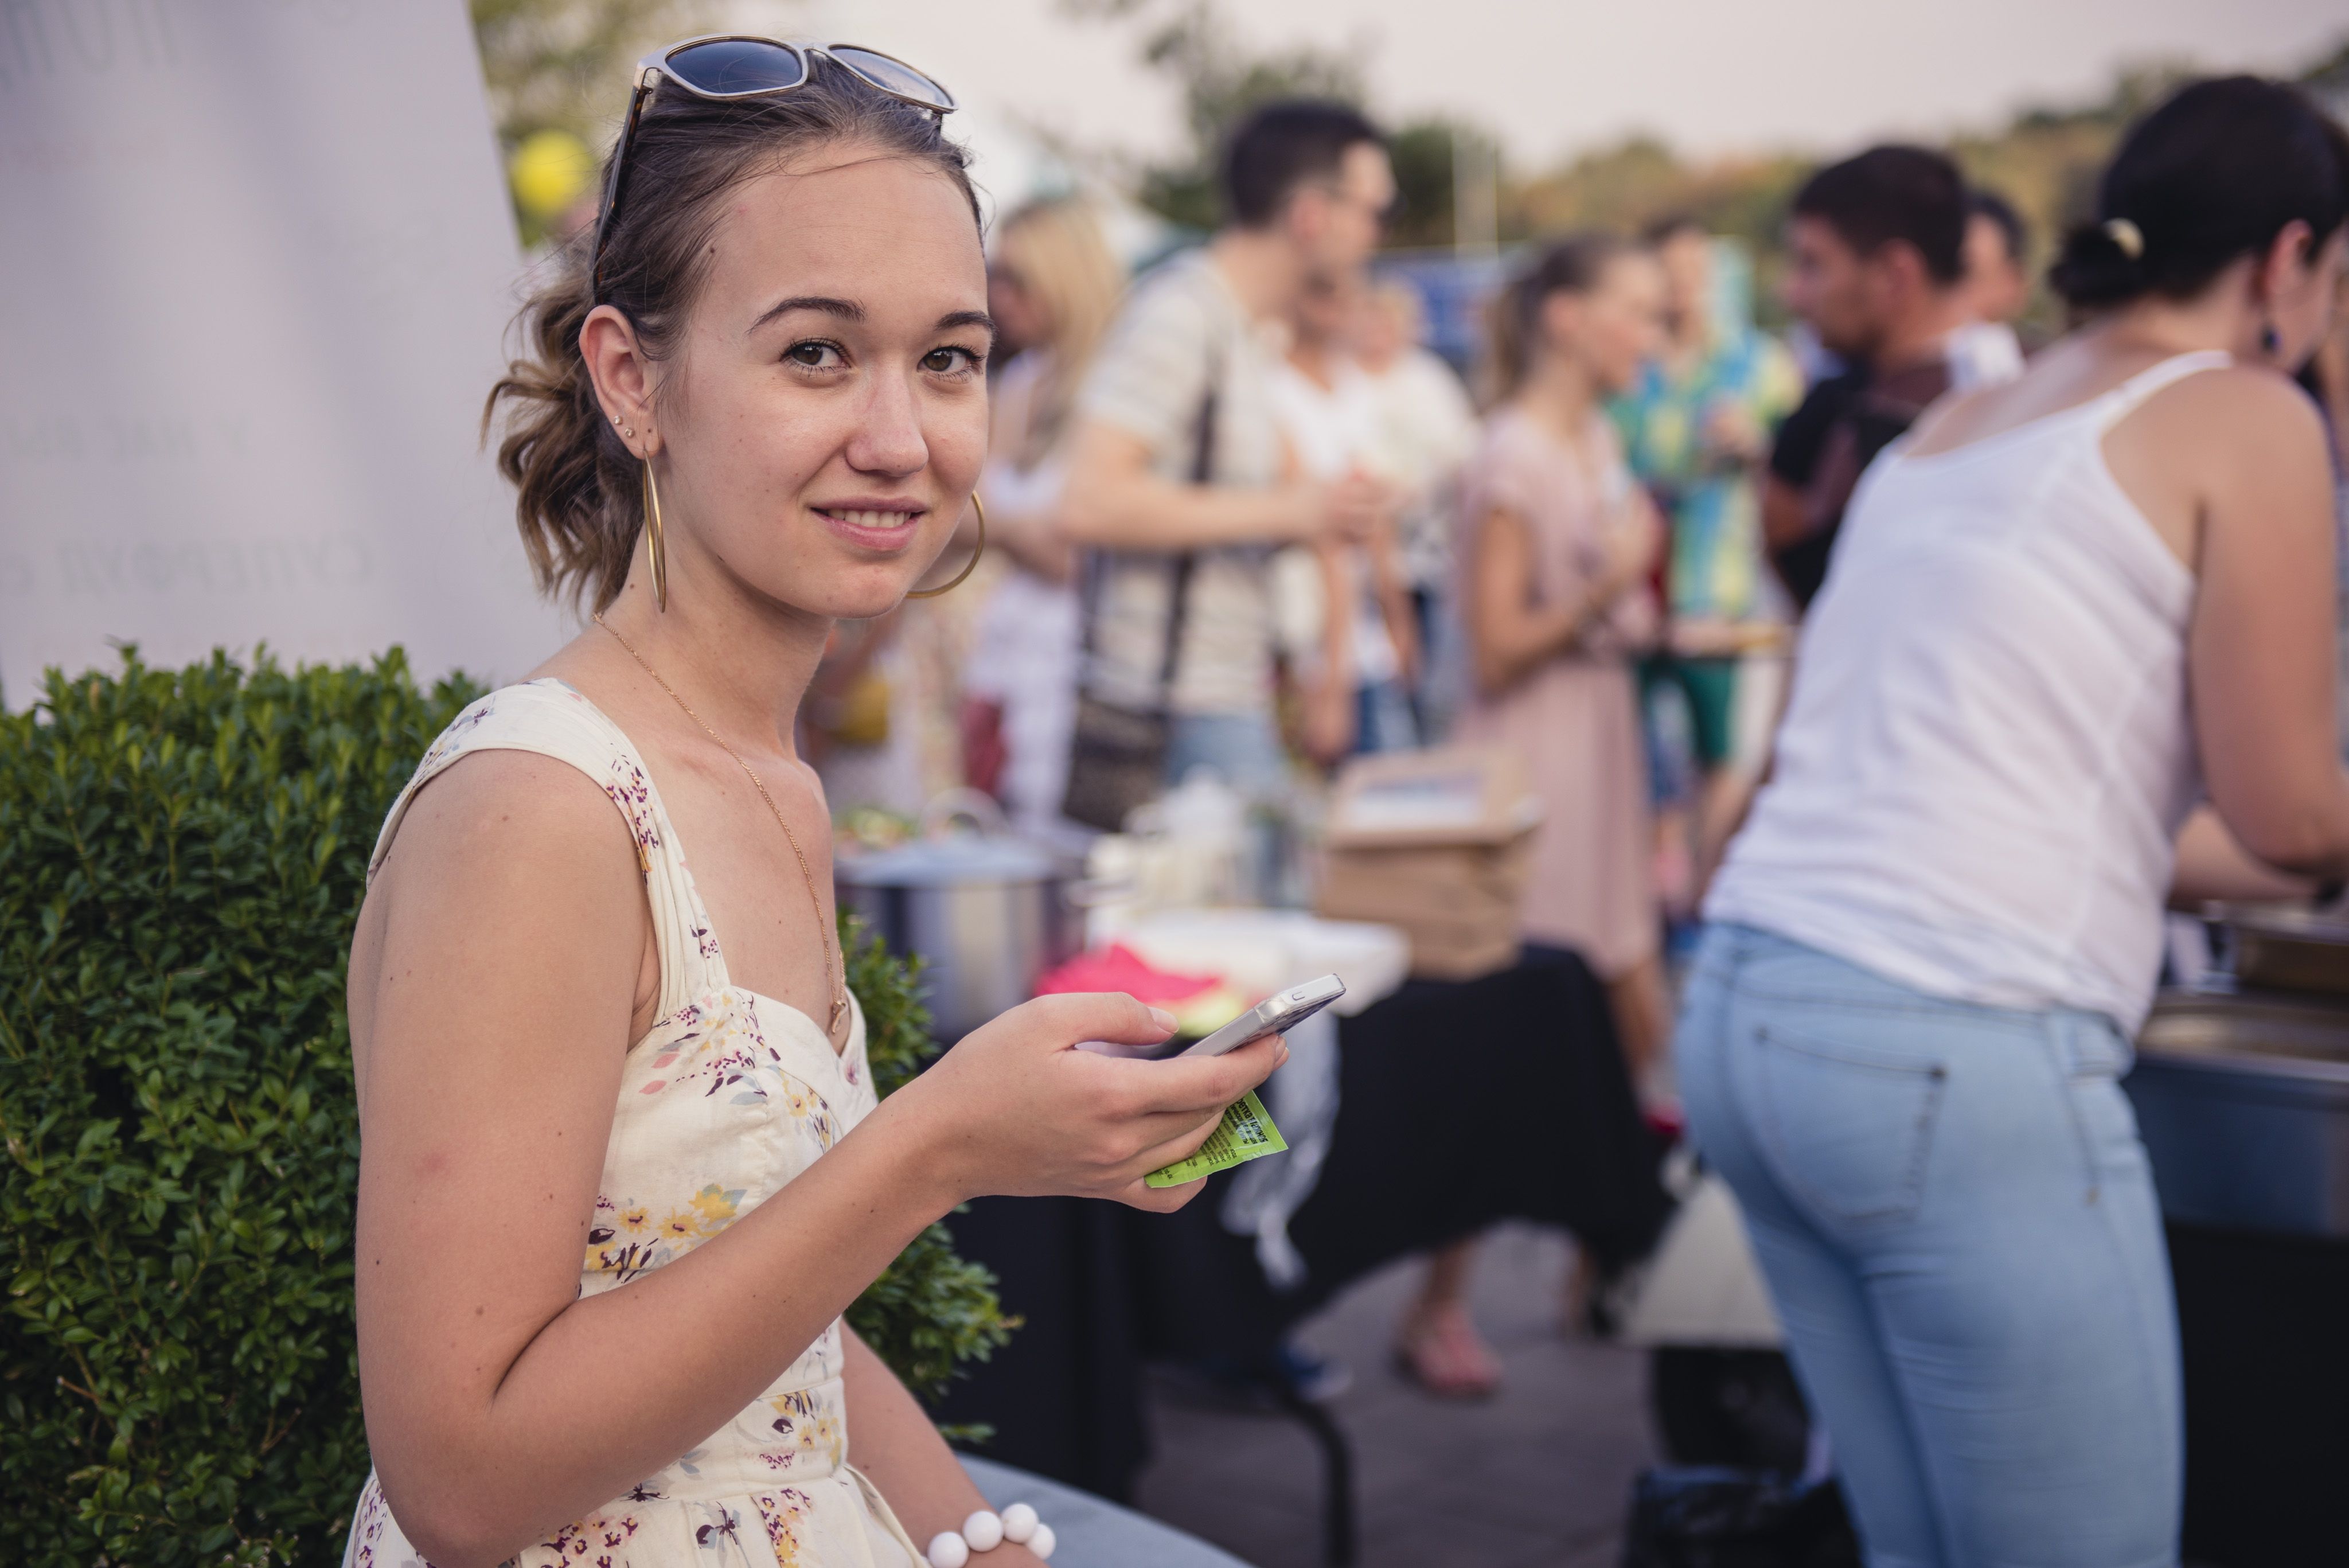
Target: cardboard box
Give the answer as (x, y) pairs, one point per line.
(1438, 844)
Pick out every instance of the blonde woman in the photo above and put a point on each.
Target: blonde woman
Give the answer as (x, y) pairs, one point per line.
(1558, 549)
(1053, 286)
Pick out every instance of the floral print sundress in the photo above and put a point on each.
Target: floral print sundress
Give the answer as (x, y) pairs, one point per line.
(728, 1098)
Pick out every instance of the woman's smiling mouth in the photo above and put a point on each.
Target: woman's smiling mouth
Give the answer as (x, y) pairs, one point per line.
(886, 526)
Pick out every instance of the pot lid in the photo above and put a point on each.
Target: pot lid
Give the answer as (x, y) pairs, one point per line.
(951, 862)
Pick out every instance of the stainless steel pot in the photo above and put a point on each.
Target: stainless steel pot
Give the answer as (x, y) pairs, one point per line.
(986, 913)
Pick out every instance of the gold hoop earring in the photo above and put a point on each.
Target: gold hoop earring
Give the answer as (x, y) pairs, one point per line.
(977, 507)
(656, 542)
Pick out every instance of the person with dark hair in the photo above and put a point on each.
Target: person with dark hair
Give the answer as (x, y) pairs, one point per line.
(2060, 611)
(1875, 268)
(1178, 478)
(621, 1165)
(1985, 352)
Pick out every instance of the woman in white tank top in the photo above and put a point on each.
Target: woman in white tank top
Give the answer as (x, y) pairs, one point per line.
(2059, 613)
(621, 1167)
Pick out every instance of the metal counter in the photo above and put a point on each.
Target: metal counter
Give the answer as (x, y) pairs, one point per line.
(2243, 1102)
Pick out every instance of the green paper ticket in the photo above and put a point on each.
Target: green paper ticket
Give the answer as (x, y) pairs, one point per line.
(1244, 1133)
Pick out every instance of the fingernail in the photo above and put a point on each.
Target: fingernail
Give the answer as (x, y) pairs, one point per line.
(1163, 1019)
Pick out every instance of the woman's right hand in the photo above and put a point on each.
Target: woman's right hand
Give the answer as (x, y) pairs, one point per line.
(1014, 1110)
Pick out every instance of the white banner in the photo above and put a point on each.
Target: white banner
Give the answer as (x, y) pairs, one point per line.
(257, 266)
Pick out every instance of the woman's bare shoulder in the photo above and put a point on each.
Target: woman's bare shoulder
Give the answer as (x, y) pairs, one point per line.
(503, 842)
(2231, 404)
(2235, 428)
(509, 863)
(500, 811)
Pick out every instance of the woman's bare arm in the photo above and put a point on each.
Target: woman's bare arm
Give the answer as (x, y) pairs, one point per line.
(1116, 499)
(494, 993)
(1508, 632)
(2212, 866)
(2261, 651)
(890, 1440)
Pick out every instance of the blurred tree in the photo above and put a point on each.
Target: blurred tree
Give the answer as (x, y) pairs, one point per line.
(563, 66)
(1429, 155)
(1193, 42)
(2046, 159)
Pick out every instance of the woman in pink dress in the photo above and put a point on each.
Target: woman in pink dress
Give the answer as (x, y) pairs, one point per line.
(1558, 547)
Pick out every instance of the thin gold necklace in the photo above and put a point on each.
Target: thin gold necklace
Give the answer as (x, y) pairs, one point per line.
(832, 979)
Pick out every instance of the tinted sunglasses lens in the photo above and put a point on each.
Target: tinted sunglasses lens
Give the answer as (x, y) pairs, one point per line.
(894, 75)
(724, 67)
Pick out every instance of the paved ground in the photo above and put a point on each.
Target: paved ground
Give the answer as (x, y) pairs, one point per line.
(1539, 1476)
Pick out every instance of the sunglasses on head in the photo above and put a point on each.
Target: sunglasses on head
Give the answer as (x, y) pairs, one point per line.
(723, 67)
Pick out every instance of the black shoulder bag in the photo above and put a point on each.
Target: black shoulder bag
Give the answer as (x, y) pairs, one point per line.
(1117, 754)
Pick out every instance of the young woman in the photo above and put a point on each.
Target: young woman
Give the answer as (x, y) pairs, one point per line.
(1556, 566)
(1556, 555)
(2060, 609)
(621, 1166)
(1054, 286)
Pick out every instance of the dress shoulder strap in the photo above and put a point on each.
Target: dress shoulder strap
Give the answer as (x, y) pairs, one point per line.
(2121, 399)
(554, 719)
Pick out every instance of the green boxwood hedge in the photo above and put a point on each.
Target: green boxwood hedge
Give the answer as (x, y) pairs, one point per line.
(182, 856)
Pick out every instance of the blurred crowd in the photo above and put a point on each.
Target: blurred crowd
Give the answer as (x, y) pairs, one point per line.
(1241, 490)
(2066, 653)
(1240, 517)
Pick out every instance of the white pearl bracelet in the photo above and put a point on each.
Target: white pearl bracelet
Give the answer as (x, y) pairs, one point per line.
(984, 1532)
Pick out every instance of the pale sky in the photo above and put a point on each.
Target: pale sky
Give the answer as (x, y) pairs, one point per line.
(1558, 77)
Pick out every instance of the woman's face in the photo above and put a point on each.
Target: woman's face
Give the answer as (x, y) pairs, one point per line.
(1617, 327)
(824, 416)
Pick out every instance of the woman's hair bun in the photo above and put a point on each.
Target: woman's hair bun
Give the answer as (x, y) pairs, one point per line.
(2097, 266)
(2211, 176)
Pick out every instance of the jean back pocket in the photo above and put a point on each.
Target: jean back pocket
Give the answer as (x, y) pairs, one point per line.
(1849, 1129)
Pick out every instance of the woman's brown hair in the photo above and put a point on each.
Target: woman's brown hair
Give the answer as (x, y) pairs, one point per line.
(579, 497)
(1576, 265)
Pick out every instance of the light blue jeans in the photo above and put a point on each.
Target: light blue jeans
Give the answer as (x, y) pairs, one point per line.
(1957, 1223)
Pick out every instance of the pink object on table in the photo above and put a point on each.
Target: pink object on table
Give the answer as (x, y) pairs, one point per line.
(1119, 968)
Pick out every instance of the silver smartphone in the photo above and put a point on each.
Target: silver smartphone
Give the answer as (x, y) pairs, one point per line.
(1282, 1010)
(1276, 1013)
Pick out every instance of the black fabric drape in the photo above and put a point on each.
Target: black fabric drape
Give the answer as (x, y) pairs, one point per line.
(1461, 1103)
